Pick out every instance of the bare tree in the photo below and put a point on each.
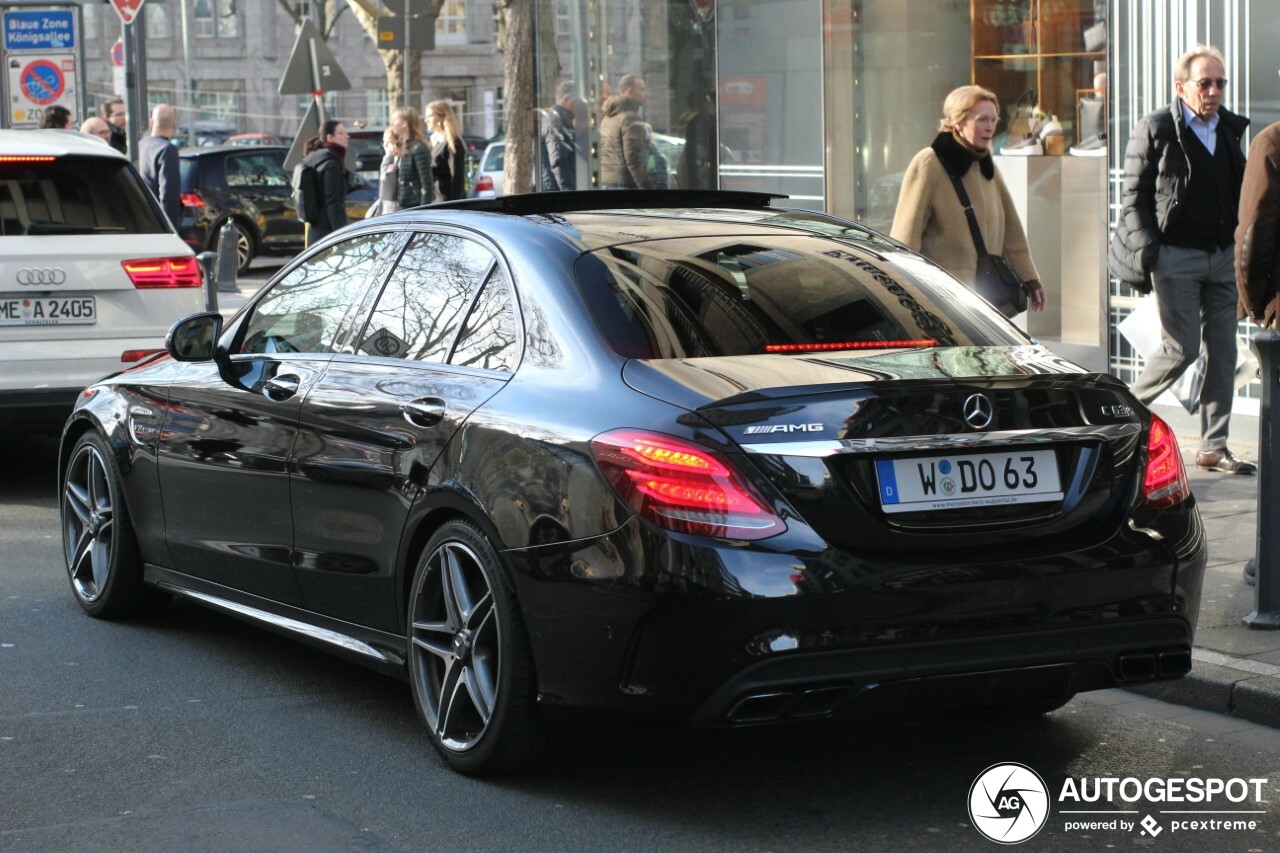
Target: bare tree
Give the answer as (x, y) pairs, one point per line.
(328, 12)
(520, 27)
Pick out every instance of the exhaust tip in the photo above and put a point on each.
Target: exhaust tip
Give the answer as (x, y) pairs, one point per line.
(1141, 667)
(760, 708)
(1174, 663)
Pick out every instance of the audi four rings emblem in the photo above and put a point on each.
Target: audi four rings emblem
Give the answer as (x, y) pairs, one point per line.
(978, 411)
(42, 276)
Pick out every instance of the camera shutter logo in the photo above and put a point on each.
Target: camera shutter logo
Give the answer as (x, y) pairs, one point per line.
(41, 276)
(978, 411)
(1009, 803)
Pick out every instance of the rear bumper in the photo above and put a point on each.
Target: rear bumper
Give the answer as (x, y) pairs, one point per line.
(726, 634)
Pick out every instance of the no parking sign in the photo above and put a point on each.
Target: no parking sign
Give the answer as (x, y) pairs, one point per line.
(39, 82)
(42, 57)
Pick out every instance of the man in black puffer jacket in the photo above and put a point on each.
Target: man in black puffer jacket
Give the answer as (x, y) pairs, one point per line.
(1182, 172)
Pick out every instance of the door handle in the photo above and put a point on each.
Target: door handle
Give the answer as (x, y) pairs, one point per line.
(426, 412)
(281, 387)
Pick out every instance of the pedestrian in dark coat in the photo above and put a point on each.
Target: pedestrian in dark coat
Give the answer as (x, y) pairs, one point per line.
(448, 153)
(413, 158)
(559, 142)
(1183, 169)
(327, 159)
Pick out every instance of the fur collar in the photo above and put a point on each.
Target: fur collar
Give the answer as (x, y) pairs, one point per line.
(958, 158)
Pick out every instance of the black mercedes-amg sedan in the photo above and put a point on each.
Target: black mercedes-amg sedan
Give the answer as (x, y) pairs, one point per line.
(684, 454)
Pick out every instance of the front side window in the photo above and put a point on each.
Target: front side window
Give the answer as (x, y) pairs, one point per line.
(426, 298)
(304, 311)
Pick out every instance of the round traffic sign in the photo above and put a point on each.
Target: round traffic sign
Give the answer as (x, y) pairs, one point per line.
(42, 82)
(117, 53)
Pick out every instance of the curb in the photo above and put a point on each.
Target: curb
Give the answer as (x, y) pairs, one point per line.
(1245, 689)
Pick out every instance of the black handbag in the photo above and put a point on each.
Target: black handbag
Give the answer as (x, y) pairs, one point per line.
(996, 281)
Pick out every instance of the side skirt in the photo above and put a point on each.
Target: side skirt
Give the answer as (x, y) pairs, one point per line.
(375, 649)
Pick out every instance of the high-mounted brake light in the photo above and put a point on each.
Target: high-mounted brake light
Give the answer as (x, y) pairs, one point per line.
(26, 158)
(839, 345)
(1165, 482)
(683, 487)
(164, 272)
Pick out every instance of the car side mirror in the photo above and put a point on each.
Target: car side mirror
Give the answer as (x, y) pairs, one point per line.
(194, 338)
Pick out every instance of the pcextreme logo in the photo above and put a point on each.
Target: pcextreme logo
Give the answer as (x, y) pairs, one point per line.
(1009, 803)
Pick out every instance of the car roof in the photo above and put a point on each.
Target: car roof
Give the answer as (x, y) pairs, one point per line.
(54, 142)
(595, 219)
(242, 150)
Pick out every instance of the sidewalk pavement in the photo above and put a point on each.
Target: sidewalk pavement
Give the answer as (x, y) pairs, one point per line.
(1235, 670)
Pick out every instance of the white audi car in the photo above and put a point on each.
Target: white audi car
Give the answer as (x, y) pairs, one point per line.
(92, 274)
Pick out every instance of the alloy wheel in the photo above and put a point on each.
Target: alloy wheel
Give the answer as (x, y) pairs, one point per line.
(89, 523)
(456, 646)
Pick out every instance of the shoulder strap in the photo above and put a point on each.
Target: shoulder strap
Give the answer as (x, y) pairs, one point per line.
(968, 209)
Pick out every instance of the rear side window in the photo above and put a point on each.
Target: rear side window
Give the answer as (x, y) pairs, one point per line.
(75, 195)
(717, 296)
(259, 169)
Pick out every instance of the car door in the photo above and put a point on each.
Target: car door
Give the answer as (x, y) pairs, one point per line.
(441, 340)
(224, 449)
(259, 181)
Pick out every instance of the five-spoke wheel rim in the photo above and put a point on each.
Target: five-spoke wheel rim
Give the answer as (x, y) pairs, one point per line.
(88, 523)
(455, 643)
(244, 247)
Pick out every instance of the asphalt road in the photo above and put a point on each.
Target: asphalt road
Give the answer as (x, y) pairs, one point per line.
(195, 732)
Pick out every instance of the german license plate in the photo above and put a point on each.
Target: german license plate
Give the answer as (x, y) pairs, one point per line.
(958, 481)
(48, 311)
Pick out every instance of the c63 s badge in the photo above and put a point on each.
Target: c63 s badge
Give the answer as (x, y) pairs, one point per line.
(766, 429)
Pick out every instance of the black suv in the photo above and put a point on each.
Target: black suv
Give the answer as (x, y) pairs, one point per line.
(250, 187)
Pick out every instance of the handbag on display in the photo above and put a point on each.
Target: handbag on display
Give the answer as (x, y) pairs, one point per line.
(996, 280)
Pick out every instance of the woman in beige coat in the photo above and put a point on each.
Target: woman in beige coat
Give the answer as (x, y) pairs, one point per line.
(930, 218)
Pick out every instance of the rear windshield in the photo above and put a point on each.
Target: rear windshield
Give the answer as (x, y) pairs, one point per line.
(717, 296)
(75, 195)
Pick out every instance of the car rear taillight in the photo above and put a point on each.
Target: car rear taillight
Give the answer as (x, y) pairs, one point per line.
(683, 487)
(1165, 483)
(484, 183)
(132, 356)
(192, 200)
(164, 272)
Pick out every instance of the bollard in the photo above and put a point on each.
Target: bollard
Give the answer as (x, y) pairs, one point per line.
(227, 259)
(207, 260)
(1266, 592)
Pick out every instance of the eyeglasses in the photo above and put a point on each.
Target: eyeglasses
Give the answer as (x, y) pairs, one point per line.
(1208, 82)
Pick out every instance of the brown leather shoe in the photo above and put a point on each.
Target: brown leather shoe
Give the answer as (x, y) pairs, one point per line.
(1222, 460)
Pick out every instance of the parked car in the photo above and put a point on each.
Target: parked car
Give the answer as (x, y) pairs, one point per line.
(249, 187)
(678, 453)
(365, 147)
(91, 273)
(487, 182)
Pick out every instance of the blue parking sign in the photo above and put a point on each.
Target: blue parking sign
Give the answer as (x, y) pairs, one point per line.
(43, 29)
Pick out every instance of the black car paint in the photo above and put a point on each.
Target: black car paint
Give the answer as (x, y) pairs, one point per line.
(622, 615)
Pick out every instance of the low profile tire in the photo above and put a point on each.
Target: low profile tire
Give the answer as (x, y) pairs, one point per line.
(103, 560)
(470, 665)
